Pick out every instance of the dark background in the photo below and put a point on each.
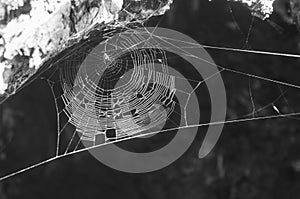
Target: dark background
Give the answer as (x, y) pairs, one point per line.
(257, 159)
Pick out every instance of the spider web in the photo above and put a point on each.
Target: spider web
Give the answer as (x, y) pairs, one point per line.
(83, 116)
(95, 109)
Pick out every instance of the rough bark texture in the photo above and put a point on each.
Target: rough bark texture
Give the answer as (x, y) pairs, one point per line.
(259, 8)
(288, 9)
(32, 32)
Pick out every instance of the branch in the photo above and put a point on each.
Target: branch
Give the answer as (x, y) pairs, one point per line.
(32, 32)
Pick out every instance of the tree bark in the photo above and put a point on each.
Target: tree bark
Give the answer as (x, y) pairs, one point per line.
(34, 32)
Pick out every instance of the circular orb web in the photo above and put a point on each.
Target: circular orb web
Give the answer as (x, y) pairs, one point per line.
(126, 95)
